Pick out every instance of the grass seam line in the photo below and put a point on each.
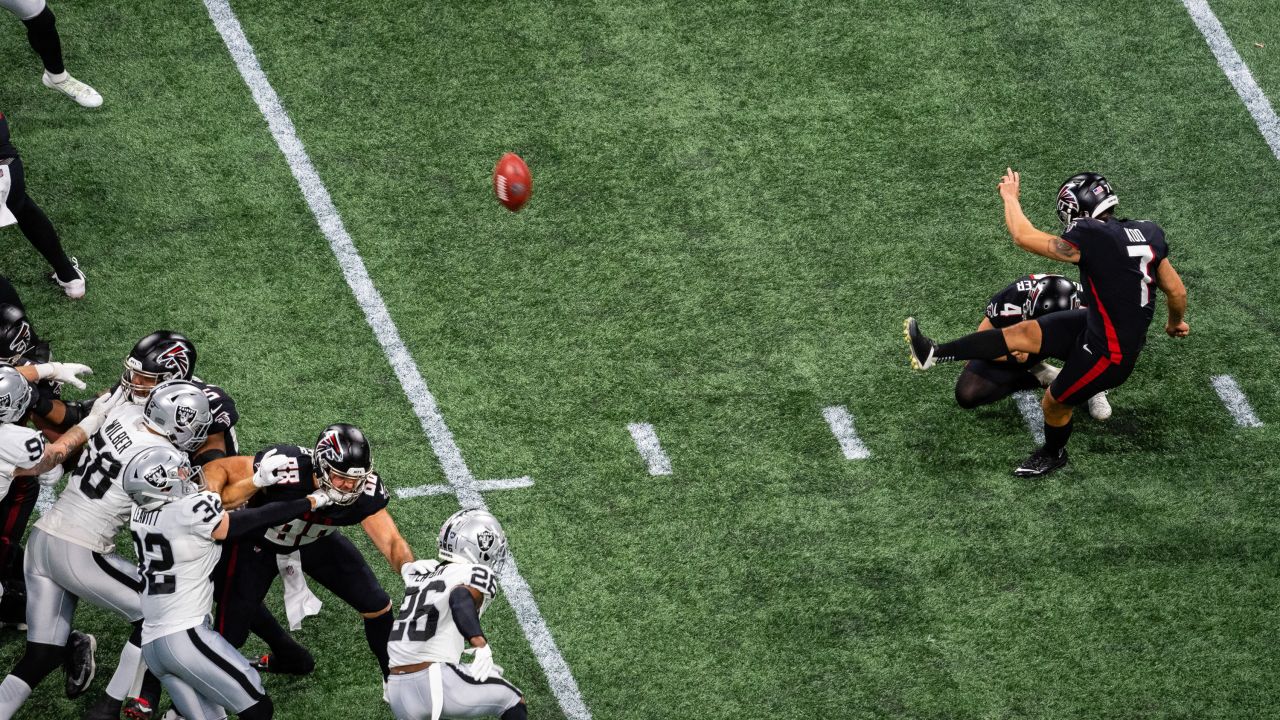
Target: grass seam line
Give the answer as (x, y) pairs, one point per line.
(559, 677)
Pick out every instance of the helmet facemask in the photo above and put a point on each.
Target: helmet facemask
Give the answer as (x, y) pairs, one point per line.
(354, 479)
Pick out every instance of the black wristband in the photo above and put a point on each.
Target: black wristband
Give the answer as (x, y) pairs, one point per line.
(464, 612)
(243, 522)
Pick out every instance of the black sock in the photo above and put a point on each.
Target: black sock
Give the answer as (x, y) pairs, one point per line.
(150, 689)
(42, 33)
(377, 631)
(282, 644)
(39, 231)
(519, 711)
(983, 345)
(1055, 438)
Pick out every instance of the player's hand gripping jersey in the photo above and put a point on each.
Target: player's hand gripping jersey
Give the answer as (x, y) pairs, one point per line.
(177, 555)
(1118, 261)
(298, 481)
(93, 506)
(424, 630)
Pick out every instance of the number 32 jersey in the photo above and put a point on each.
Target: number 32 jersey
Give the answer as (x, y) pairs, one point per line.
(93, 506)
(424, 629)
(177, 555)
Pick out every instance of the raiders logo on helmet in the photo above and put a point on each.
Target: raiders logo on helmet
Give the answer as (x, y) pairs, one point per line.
(6, 402)
(156, 477)
(484, 540)
(184, 415)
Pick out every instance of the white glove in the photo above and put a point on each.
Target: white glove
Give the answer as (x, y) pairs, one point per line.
(63, 373)
(417, 567)
(50, 477)
(266, 475)
(103, 405)
(321, 498)
(482, 664)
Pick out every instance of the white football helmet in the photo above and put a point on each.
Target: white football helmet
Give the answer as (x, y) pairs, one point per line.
(158, 475)
(179, 410)
(474, 536)
(15, 394)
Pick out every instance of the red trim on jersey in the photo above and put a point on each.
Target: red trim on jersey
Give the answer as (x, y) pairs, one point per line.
(1097, 369)
(1113, 342)
(226, 589)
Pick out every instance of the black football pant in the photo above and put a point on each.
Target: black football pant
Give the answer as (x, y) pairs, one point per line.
(1092, 364)
(34, 224)
(983, 382)
(249, 568)
(15, 512)
(9, 296)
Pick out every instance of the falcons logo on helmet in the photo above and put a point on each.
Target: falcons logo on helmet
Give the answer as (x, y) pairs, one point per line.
(176, 358)
(22, 341)
(329, 447)
(1068, 198)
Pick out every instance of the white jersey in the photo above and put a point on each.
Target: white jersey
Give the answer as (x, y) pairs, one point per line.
(177, 555)
(20, 446)
(93, 506)
(424, 630)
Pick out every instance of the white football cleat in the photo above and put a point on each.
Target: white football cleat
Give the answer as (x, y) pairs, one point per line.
(74, 89)
(1099, 408)
(75, 288)
(1045, 373)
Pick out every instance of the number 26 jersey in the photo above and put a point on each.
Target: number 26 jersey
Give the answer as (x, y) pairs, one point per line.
(424, 629)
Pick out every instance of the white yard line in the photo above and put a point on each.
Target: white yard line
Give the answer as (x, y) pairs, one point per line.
(1029, 405)
(1236, 71)
(48, 496)
(559, 677)
(841, 424)
(481, 485)
(650, 449)
(1234, 398)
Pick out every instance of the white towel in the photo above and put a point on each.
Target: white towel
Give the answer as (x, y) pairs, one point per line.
(299, 601)
(6, 217)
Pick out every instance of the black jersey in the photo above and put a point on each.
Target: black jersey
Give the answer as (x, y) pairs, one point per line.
(1008, 307)
(7, 150)
(1118, 261)
(300, 481)
(222, 407)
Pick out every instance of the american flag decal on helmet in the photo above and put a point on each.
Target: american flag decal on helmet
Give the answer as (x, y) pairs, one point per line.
(330, 447)
(177, 358)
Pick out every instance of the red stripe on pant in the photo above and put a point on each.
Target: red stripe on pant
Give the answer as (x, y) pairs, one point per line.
(1097, 369)
(226, 588)
(21, 489)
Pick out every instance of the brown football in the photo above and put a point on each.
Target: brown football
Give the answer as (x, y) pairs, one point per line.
(512, 182)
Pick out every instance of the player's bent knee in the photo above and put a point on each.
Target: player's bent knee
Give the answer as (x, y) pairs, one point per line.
(264, 709)
(519, 711)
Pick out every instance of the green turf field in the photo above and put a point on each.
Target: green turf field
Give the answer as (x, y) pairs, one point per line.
(735, 206)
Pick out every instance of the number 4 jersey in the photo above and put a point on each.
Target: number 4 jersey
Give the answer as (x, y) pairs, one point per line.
(424, 629)
(177, 555)
(93, 506)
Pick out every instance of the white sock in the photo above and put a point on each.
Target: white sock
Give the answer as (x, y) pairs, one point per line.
(58, 77)
(13, 692)
(126, 672)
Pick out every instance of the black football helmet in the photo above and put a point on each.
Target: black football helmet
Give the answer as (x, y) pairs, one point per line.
(17, 338)
(1087, 194)
(343, 452)
(1050, 294)
(162, 355)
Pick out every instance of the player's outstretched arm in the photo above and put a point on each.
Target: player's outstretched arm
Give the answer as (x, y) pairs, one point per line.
(382, 530)
(1170, 283)
(232, 478)
(246, 521)
(1025, 235)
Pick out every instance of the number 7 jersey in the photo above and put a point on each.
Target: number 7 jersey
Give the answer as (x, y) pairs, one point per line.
(1118, 262)
(93, 505)
(424, 630)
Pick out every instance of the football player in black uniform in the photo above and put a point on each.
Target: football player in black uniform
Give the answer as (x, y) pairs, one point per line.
(340, 461)
(1119, 262)
(983, 382)
(32, 221)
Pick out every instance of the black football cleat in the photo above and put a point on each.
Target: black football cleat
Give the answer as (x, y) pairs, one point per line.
(280, 665)
(923, 349)
(107, 708)
(1041, 463)
(79, 664)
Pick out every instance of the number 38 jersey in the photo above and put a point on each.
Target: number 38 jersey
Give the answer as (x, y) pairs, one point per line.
(424, 629)
(93, 506)
(297, 481)
(177, 555)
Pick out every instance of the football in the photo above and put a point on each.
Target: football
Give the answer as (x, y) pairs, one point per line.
(512, 182)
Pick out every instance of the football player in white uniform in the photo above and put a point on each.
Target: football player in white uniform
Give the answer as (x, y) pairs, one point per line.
(439, 617)
(177, 529)
(42, 33)
(70, 552)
